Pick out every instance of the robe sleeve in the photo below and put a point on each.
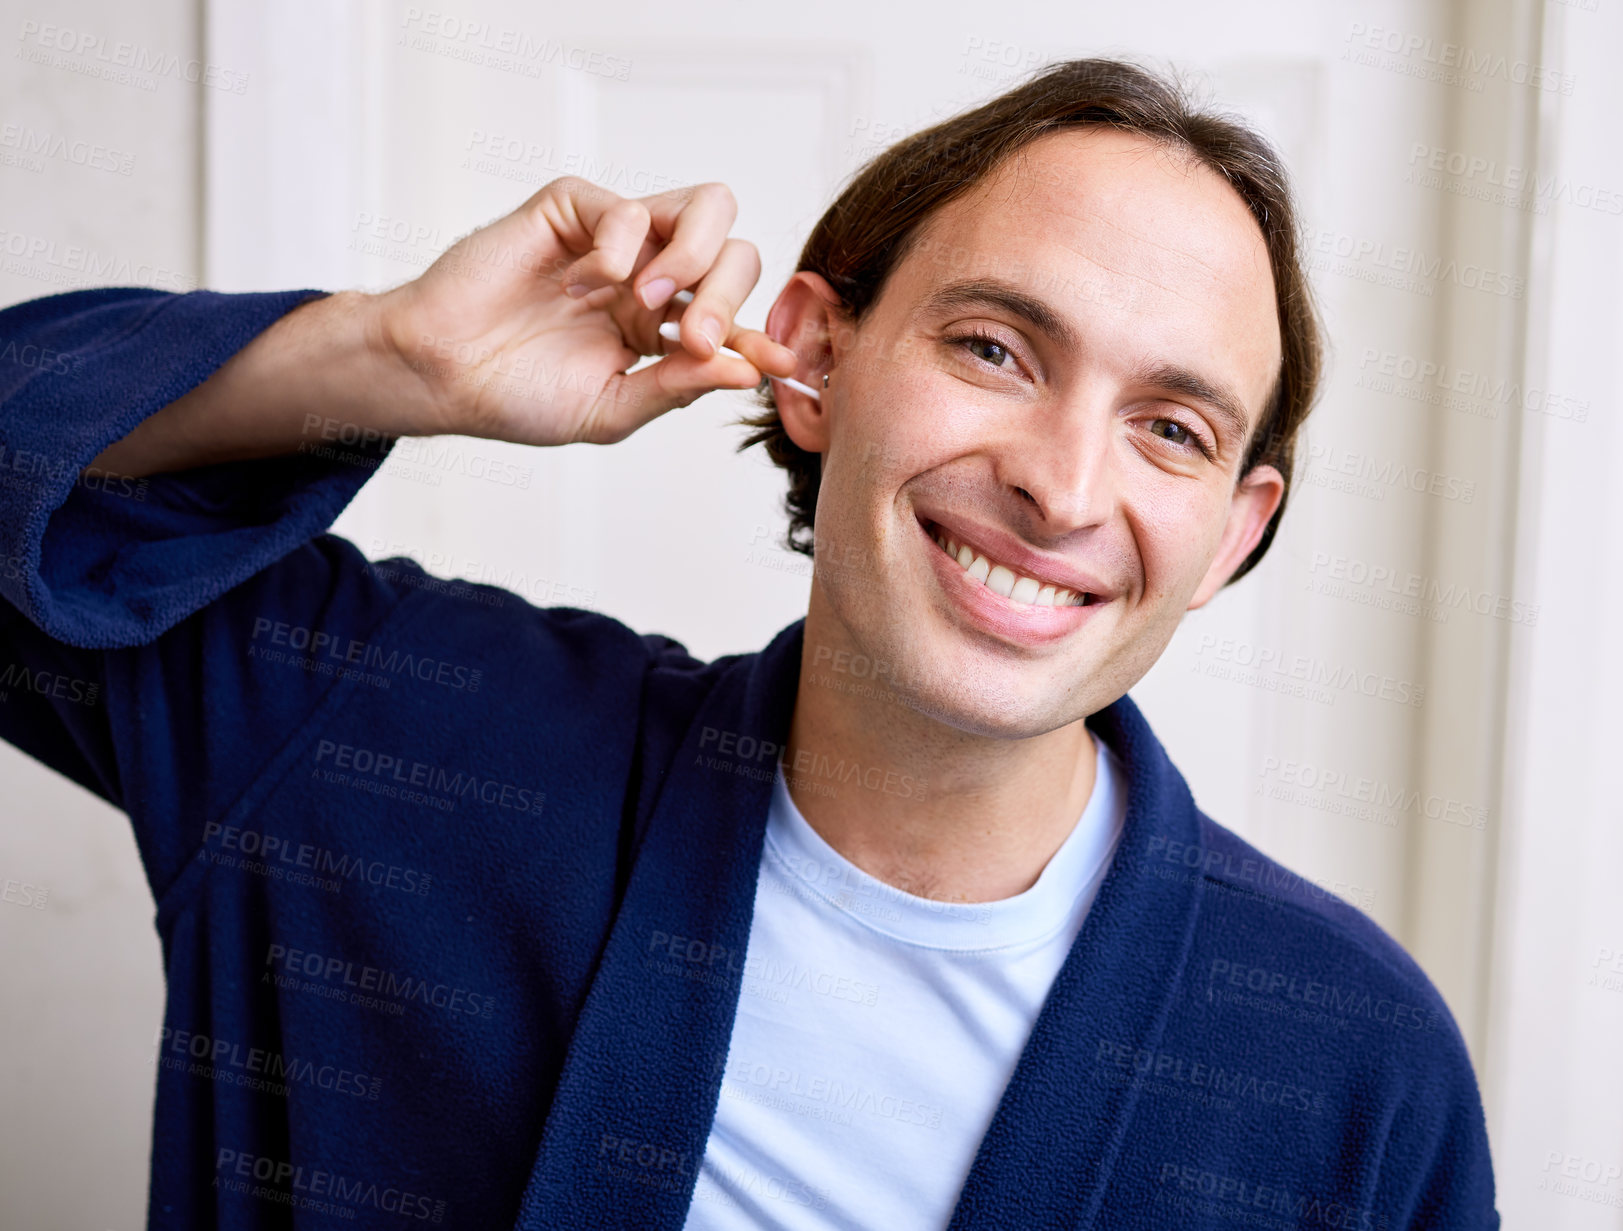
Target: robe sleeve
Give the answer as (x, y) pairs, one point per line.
(137, 612)
(1441, 1173)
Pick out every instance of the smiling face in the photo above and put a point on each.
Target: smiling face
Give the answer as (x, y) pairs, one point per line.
(1057, 386)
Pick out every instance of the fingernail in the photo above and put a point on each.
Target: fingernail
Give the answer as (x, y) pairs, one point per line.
(711, 330)
(576, 291)
(655, 293)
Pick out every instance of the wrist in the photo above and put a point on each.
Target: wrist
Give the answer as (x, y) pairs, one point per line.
(407, 372)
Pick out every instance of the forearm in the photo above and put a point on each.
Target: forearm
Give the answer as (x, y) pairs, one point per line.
(534, 364)
(321, 372)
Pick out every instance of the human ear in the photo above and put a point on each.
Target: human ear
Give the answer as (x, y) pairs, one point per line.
(1255, 498)
(806, 318)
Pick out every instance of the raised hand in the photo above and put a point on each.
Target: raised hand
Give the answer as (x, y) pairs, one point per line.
(525, 329)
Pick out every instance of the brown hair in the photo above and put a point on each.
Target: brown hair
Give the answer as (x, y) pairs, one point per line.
(871, 226)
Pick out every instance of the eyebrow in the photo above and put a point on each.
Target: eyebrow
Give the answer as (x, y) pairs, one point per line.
(1222, 401)
(987, 291)
(1218, 399)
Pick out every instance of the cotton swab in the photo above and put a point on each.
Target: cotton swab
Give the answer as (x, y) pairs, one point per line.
(671, 331)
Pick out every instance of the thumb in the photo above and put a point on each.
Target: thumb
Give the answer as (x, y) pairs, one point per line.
(630, 400)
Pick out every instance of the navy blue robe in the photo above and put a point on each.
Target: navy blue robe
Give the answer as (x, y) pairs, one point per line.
(454, 891)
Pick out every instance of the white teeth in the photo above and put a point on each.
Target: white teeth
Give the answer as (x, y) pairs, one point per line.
(1000, 579)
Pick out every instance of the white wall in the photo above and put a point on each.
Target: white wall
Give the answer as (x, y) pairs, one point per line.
(111, 196)
(359, 121)
(1553, 1066)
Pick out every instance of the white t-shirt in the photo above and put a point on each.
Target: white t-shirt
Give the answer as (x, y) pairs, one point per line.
(876, 1030)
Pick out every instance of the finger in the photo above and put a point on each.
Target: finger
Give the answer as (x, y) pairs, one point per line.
(695, 223)
(773, 358)
(708, 321)
(569, 207)
(760, 349)
(629, 401)
(617, 239)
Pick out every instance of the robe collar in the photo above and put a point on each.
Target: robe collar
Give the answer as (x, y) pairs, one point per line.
(641, 1082)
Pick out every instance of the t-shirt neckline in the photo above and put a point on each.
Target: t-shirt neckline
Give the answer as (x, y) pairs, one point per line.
(1026, 918)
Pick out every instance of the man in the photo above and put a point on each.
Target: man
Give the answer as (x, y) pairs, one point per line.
(486, 915)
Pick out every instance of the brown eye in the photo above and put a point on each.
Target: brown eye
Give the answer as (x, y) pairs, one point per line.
(988, 349)
(1172, 430)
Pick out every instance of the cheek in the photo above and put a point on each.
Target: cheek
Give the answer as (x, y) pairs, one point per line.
(898, 423)
(1178, 527)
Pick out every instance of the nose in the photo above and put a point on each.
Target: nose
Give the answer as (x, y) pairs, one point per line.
(1058, 462)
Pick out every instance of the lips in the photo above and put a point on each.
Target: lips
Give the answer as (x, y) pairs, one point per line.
(1023, 598)
(1013, 569)
(1004, 580)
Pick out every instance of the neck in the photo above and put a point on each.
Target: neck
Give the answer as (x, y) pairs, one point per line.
(934, 811)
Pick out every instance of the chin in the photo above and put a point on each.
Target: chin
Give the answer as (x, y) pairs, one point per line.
(991, 718)
(966, 682)
(982, 698)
